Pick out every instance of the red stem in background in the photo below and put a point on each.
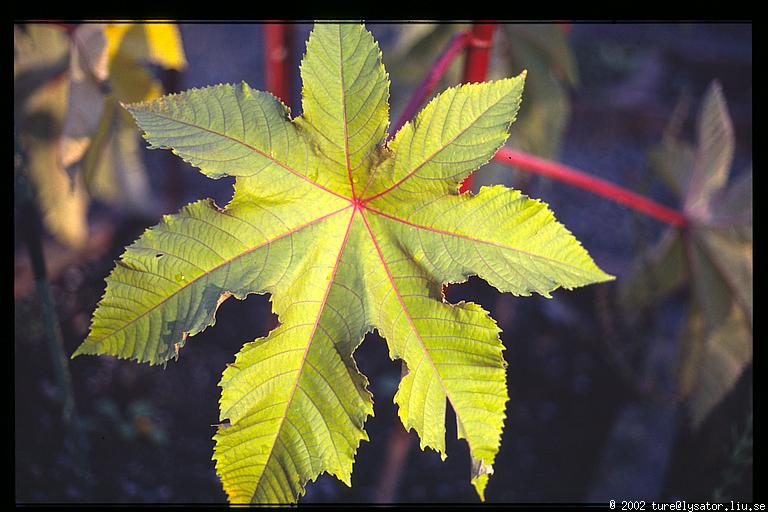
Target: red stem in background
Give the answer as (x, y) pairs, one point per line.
(580, 179)
(436, 72)
(478, 52)
(476, 65)
(277, 52)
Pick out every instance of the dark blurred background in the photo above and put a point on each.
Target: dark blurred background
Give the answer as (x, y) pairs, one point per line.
(592, 414)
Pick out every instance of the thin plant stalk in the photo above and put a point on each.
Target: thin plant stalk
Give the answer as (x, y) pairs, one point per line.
(76, 442)
(398, 447)
(32, 235)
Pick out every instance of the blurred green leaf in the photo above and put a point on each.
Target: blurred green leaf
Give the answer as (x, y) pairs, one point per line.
(656, 274)
(717, 262)
(714, 153)
(713, 360)
(40, 52)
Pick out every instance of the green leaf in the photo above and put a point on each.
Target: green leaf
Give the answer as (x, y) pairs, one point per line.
(655, 275)
(732, 260)
(345, 98)
(714, 152)
(673, 158)
(347, 235)
(713, 256)
(112, 166)
(714, 359)
(734, 206)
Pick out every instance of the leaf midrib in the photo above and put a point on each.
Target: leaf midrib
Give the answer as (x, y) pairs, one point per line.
(411, 323)
(217, 267)
(344, 117)
(321, 310)
(577, 270)
(252, 148)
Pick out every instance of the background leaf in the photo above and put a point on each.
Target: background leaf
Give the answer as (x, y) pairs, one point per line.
(40, 101)
(717, 263)
(71, 85)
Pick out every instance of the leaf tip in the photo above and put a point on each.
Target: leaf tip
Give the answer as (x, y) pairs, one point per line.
(479, 484)
(480, 473)
(78, 352)
(345, 478)
(604, 277)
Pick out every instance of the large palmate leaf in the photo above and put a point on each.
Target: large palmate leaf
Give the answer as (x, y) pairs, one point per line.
(348, 234)
(713, 256)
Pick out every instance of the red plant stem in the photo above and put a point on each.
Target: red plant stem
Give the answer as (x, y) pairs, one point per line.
(436, 72)
(600, 187)
(478, 52)
(277, 50)
(476, 64)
